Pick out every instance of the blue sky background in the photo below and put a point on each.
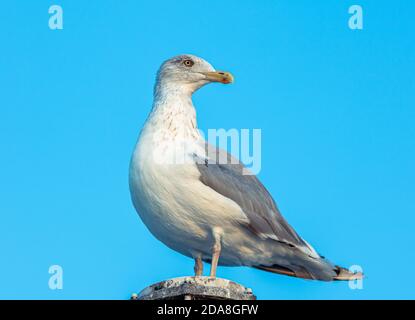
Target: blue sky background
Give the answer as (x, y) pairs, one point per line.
(336, 109)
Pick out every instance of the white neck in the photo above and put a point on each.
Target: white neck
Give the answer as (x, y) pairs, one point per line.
(173, 115)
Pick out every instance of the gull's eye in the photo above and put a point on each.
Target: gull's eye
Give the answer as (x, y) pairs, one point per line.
(188, 63)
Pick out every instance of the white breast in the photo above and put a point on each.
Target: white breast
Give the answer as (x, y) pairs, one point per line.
(164, 181)
(170, 199)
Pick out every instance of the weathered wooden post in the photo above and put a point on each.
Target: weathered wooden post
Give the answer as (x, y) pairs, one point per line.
(195, 288)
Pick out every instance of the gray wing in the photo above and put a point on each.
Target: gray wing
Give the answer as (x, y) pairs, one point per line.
(247, 191)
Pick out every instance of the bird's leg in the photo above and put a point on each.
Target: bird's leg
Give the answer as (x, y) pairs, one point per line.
(215, 255)
(198, 266)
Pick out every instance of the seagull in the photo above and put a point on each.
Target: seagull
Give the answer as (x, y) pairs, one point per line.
(201, 206)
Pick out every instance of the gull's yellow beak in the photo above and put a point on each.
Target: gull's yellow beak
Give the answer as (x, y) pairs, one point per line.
(219, 76)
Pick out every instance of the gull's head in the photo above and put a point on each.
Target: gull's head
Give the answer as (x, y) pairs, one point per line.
(188, 73)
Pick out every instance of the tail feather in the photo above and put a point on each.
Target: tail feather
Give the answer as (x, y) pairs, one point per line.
(345, 275)
(335, 273)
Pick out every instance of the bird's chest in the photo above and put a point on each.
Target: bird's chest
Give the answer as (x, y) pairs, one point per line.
(163, 182)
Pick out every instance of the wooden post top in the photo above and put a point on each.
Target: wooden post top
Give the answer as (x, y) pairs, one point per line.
(195, 288)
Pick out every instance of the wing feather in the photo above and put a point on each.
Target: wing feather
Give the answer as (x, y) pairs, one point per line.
(225, 174)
